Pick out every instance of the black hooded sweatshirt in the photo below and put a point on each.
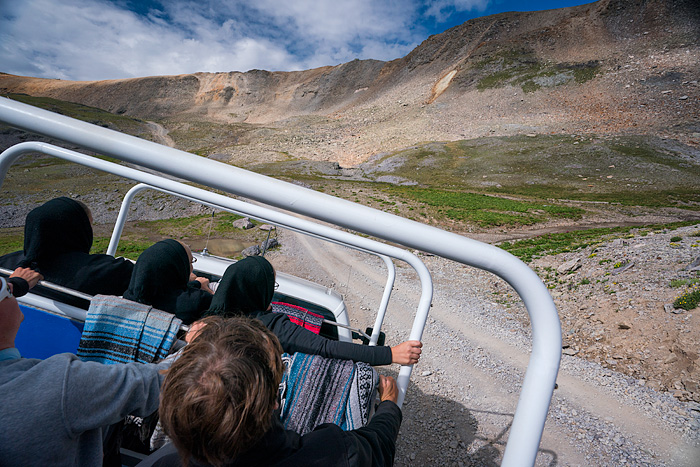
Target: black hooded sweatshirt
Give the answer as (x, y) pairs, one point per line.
(247, 287)
(57, 242)
(161, 279)
(373, 445)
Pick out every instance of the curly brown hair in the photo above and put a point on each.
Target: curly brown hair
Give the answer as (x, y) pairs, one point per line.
(218, 397)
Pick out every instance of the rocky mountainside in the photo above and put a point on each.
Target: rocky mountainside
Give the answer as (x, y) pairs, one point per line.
(613, 66)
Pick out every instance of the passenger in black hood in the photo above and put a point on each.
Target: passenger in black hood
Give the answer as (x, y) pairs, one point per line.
(161, 278)
(246, 289)
(57, 242)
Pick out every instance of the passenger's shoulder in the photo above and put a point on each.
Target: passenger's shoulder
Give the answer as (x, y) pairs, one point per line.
(104, 258)
(11, 260)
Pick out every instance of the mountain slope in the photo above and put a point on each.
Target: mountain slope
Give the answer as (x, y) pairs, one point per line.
(613, 66)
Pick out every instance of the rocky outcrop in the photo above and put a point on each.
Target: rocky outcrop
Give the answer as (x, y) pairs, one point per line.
(599, 31)
(609, 67)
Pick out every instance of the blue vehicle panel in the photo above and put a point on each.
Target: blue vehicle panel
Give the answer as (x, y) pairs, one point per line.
(44, 334)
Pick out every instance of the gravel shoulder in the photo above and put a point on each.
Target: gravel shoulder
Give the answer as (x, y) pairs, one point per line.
(464, 391)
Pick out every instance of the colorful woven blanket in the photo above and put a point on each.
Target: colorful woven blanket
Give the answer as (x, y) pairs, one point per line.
(317, 390)
(301, 316)
(118, 330)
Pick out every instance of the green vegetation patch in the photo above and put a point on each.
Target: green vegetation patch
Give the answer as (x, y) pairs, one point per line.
(689, 300)
(629, 170)
(85, 113)
(552, 244)
(484, 210)
(522, 68)
(193, 226)
(127, 248)
(676, 283)
(11, 240)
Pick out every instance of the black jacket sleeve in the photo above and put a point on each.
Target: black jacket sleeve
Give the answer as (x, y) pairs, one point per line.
(375, 444)
(91, 274)
(191, 304)
(295, 338)
(20, 286)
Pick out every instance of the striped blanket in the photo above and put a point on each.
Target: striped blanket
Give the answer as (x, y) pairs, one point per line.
(121, 331)
(301, 316)
(317, 390)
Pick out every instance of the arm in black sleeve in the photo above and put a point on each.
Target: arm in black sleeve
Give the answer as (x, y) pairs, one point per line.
(375, 444)
(295, 338)
(191, 304)
(20, 287)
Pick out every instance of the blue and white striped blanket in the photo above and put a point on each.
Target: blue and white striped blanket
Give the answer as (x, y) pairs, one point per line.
(118, 330)
(317, 390)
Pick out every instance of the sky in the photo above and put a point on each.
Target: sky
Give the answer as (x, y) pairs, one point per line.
(88, 40)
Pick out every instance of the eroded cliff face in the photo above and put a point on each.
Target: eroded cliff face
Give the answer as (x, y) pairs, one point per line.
(592, 68)
(256, 96)
(262, 97)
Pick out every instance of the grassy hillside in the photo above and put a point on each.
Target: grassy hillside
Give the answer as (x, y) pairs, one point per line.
(85, 113)
(513, 181)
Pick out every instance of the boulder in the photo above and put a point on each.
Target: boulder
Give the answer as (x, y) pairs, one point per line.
(570, 266)
(244, 224)
(251, 251)
(269, 244)
(623, 268)
(694, 266)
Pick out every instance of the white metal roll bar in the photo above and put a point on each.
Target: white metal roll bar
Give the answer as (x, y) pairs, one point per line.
(215, 200)
(540, 377)
(56, 287)
(281, 219)
(58, 307)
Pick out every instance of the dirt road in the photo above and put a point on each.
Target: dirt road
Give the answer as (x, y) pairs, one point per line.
(464, 391)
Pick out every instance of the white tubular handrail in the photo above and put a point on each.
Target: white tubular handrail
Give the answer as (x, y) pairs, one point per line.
(211, 199)
(540, 377)
(56, 287)
(280, 219)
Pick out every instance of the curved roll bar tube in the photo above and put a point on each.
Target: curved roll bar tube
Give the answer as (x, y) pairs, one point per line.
(281, 220)
(215, 200)
(540, 377)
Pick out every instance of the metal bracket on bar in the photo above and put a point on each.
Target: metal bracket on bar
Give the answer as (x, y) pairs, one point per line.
(334, 323)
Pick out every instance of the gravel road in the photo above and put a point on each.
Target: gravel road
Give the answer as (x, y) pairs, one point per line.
(463, 392)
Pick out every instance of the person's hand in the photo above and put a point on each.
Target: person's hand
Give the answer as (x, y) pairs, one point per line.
(205, 284)
(29, 275)
(388, 391)
(406, 353)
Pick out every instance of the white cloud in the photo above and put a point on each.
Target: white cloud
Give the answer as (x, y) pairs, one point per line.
(442, 9)
(100, 39)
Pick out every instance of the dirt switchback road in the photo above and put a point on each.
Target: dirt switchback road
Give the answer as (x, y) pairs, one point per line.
(464, 391)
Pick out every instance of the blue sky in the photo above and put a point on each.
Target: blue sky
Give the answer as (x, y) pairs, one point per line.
(112, 39)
